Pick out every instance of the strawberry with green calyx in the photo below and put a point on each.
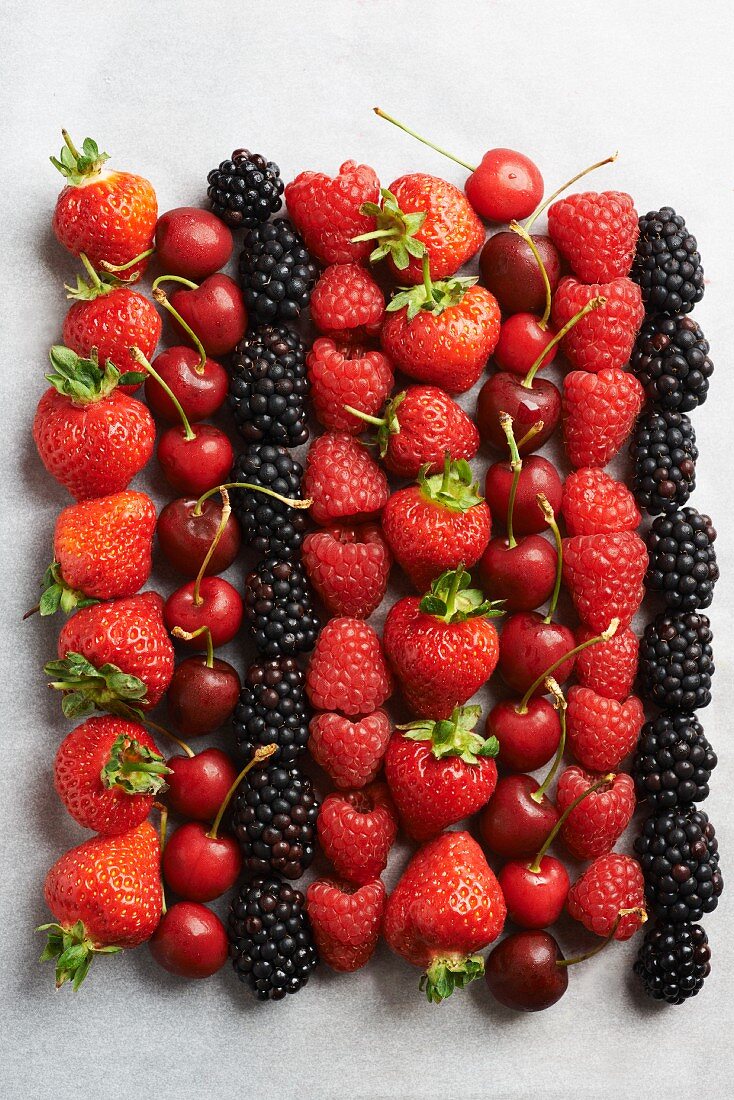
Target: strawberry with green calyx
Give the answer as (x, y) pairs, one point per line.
(394, 233)
(87, 688)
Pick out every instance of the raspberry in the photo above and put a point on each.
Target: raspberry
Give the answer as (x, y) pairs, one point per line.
(350, 752)
(608, 668)
(345, 922)
(612, 883)
(605, 337)
(599, 412)
(347, 303)
(325, 211)
(604, 575)
(342, 480)
(356, 830)
(348, 671)
(601, 732)
(596, 233)
(596, 824)
(342, 374)
(595, 504)
(348, 567)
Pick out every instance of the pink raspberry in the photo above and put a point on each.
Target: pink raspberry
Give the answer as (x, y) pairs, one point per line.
(345, 374)
(326, 212)
(356, 830)
(611, 884)
(342, 480)
(348, 567)
(596, 233)
(345, 921)
(350, 752)
(347, 671)
(608, 668)
(347, 303)
(604, 337)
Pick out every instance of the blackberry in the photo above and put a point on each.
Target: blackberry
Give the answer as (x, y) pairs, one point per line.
(671, 360)
(678, 853)
(245, 190)
(272, 709)
(682, 559)
(664, 453)
(673, 962)
(274, 820)
(270, 526)
(667, 263)
(279, 608)
(270, 940)
(673, 761)
(277, 272)
(676, 661)
(268, 387)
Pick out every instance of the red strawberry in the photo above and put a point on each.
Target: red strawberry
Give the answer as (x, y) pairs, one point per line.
(447, 906)
(611, 886)
(599, 412)
(350, 752)
(347, 671)
(111, 319)
(102, 550)
(604, 575)
(609, 668)
(442, 647)
(342, 481)
(326, 211)
(107, 772)
(91, 437)
(595, 233)
(596, 824)
(440, 772)
(345, 921)
(348, 567)
(605, 336)
(419, 427)
(601, 732)
(347, 303)
(437, 524)
(347, 375)
(109, 216)
(356, 830)
(105, 895)
(595, 504)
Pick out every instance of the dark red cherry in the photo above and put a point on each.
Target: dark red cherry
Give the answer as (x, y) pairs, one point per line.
(198, 866)
(522, 575)
(215, 311)
(505, 186)
(190, 941)
(522, 340)
(503, 392)
(538, 475)
(200, 697)
(509, 269)
(194, 464)
(522, 971)
(534, 894)
(198, 784)
(219, 608)
(201, 391)
(192, 242)
(185, 536)
(528, 738)
(512, 823)
(529, 646)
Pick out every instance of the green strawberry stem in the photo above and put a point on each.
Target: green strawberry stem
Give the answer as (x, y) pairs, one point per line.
(58, 594)
(516, 467)
(142, 717)
(162, 830)
(522, 707)
(546, 202)
(595, 786)
(290, 501)
(115, 268)
(406, 129)
(188, 636)
(453, 736)
(454, 488)
(162, 299)
(94, 277)
(451, 600)
(394, 232)
(641, 913)
(559, 702)
(134, 768)
(139, 358)
(522, 232)
(75, 166)
(449, 972)
(593, 303)
(550, 518)
(72, 950)
(82, 380)
(262, 753)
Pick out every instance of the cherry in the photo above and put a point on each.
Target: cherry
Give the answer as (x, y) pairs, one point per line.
(195, 461)
(198, 782)
(527, 738)
(186, 528)
(522, 340)
(214, 310)
(527, 405)
(517, 818)
(192, 242)
(508, 268)
(535, 893)
(203, 691)
(190, 941)
(201, 390)
(523, 971)
(537, 475)
(529, 646)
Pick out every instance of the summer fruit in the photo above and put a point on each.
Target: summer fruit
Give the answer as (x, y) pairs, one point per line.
(346, 377)
(198, 783)
(192, 242)
(190, 941)
(602, 732)
(107, 772)
(268, 387)
(604, 338)
(438, 524)
(523, 971)
(595, 504)
(667, 264)
(274, 820)
(673, 962)
(200, 388)
(664, 455)
(599, 412)
(327, 213)
(676, 661)
(682, 565)
(356, 831)
(276, 272)
(347, 304)
(679, 855)
(348, 568)
(347, 671)
(214, 310)
(609, 668)
(110, 216)
(195, 460)
(515, 823)
(596, 233)
(604, 575)
(208, 602)
(535, 893)
(440, 772)
(523, 340)
(528, 737)
(245, 189)
(442, 647)
(91, 437)
(351, 752)
(528, 406)
(611, 885)
(594, 827)
(279, 611)
(446, 907)
(673, 762)
(342, 481)
(537, 475)
(671, 360)
(510, 271)
(272, 710)
(203, 692)
(104, 895)
(186, 530)
(530, 647)
(345, 921)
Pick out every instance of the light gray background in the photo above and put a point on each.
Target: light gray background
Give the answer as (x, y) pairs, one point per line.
(169, 89)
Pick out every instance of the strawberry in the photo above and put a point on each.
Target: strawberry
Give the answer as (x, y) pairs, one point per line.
(102, 550)
(609, 668)
(609, 897)
(107, 772)
(326, 211)
(347, 304)
(346, 379)
(91, 437)
(601, 732)
(109, 216)
(439, 772)
(447, 906)
(348, 567)
(442, 646)
(105, 895)
(347, 671)
(595, 504)
(596, 233)
(345, 921)
(604, 574)
(596, 824)
(342, 481)
(350, 752)
(356, 831)
(604, 337)
(599, 412)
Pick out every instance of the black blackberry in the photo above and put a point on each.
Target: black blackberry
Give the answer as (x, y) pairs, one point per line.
(682, 559)
(279, 608)
(664, 453)
(274, 819)
(667, 263)
(678, 853)
(673, 761)
(676, 661)
(277, 272)
(272, 709)
(671, 360)
(270, 526)
(268, 387)
(245, 190)
(673, 962)
(270, 941)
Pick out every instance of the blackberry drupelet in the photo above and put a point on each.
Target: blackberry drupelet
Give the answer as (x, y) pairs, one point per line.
(682, 559)
(277, 272)
(676, 661)
(270, 941)
(279, 608)
(274, 820)
(272, 709)
(671, 360)
(664, 454)
(678, 853)
(268, 525)
(667, 263)
(673, 962)
(673, 761)
(245, 190)
(268, 387)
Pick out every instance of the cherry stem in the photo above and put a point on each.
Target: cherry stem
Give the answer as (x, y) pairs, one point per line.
(136, 717)
(546, 203)
(550, 518)
(260, 754)
(376, 420)
(223, 521)
(107, 266)
(173, 279)
(162, 299)
(188, 636)
(522, 232)
(560, 705)
(534, 867)
(516, 467)
(642, 914)
(163, 827)
(140, 359)
(532, 431)
(593, 303)
(406, 129)
(605, 635)
(290, 501)
(96, 281)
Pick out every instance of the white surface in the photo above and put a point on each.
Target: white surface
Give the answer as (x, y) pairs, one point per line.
(169, 90)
